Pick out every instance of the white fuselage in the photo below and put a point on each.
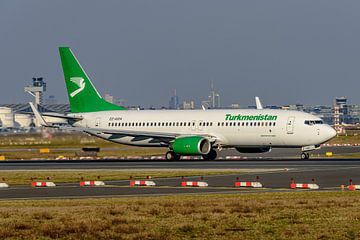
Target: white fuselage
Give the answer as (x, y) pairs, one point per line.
(229, 128)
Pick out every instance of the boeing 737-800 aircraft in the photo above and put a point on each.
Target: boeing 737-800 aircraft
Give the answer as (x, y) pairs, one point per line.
(186, 132)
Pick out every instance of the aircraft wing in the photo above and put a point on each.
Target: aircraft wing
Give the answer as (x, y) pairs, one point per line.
(39, 117)
(58, 115)
(166, 137)
(163, 137)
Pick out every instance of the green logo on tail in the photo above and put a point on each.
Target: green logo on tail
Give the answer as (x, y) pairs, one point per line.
(79, 81)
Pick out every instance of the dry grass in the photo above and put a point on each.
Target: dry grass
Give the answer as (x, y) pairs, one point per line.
(267, 216)
(350, 139)
(25, 177)
(72, 142)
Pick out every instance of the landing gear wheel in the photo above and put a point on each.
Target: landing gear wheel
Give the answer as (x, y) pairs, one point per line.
(211, 155)
(305, 156)
(171, 156)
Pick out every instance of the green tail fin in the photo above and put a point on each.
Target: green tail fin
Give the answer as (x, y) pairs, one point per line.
(83, 96)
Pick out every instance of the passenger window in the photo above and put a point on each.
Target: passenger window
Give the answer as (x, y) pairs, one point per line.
(222, 124)
(274, 124)
(242, 124)
(226, 124)
(211, 124)
(177, 124)
(181, 124)
(250, 124)
(247, 124)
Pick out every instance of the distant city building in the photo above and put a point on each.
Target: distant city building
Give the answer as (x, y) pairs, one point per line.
(235, 106)
(272, 107)
(109, 98)
(214, 98)
(188, 105)
(322, 111)
(121, 102)
(294, 107)
(174, 101)
(50, 100)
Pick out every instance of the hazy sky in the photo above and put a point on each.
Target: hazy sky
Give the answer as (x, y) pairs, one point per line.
(284, 51)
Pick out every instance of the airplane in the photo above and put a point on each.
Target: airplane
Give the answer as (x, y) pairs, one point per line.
(185, 132)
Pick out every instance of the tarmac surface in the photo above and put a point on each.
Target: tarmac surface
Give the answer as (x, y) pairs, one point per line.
(275, 175)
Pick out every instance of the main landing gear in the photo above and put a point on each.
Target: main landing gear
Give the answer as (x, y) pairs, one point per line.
(305, 155)
(172, 156)
(211, 155)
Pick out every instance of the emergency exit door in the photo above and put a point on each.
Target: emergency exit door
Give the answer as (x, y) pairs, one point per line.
(290, 125)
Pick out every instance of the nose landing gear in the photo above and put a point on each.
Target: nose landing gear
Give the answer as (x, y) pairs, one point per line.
(305, 155)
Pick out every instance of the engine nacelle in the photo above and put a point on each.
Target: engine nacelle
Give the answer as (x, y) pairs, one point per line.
(193, 145)
(253, 149)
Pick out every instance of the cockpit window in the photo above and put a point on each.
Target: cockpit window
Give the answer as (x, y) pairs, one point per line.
(313, 122)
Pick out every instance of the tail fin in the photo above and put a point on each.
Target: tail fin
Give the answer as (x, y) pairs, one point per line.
(83, 96)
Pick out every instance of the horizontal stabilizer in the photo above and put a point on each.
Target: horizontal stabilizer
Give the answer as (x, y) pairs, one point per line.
(38, 116)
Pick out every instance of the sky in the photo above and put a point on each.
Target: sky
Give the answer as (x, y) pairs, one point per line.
(286, 52)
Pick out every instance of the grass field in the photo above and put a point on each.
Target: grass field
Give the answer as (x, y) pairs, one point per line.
(58, 141)
(25, 177)
(299, 215)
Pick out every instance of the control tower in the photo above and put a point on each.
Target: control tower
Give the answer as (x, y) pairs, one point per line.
(36, 89)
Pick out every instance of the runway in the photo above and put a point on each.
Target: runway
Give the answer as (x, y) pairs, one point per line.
(329, 174)
(184, 164)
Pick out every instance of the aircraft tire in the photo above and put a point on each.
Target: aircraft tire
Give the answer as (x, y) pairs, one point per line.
(171, 156)
(305, 156)
(211, 155)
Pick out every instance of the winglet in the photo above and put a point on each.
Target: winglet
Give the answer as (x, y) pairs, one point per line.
(38, 116)
(258, 103)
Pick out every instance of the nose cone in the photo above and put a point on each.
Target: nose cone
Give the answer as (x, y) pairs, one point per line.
(330, 133)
